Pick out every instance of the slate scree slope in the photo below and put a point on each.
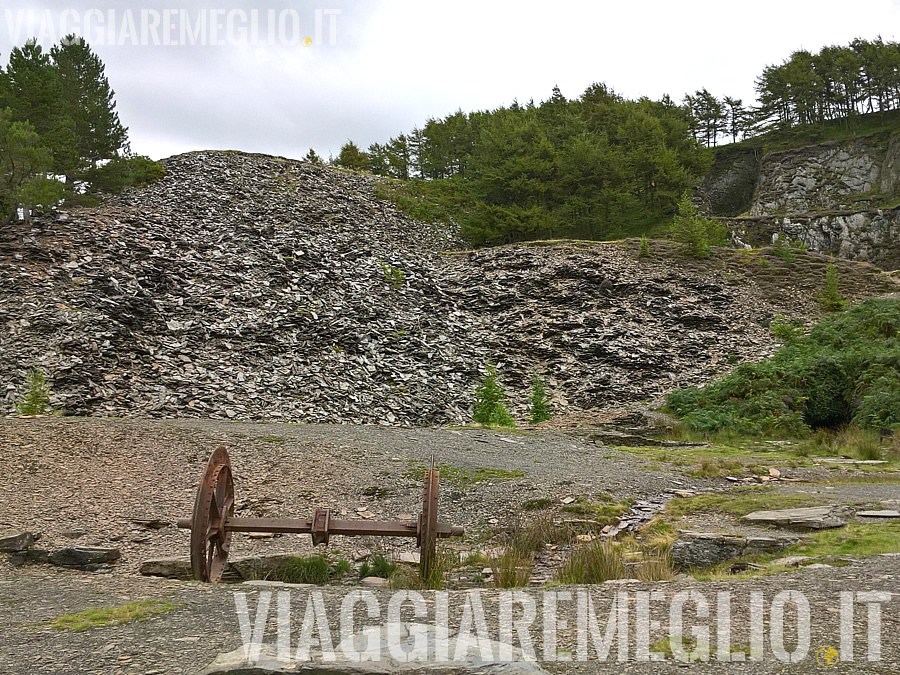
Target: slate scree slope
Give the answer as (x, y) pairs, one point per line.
(253, 287)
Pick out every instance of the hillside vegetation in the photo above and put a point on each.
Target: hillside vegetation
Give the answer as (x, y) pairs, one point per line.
(846, 370)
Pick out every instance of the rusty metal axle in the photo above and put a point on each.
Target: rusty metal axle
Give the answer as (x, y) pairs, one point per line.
(213, 522)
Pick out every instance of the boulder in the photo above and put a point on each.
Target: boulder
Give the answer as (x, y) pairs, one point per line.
(809, 518)
(702, 549)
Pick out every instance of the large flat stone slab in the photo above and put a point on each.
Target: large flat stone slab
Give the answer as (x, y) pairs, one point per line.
(885, 513)
(398, 634)
(808, 518)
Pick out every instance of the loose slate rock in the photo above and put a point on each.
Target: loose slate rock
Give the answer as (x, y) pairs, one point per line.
(83, 557)
(250, 287)
(20, 541)
(809, 518)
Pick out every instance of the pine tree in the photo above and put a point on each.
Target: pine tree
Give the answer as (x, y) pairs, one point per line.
(830, 297)
(698, 232)
(24, 163)
(644, 249)
(33, 93)
(540, 403)
(36, 400)
(490, 409)
(351, 157)
(88, 99)
(313, 158)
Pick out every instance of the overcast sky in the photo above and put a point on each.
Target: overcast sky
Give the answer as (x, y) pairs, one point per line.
(394, 64)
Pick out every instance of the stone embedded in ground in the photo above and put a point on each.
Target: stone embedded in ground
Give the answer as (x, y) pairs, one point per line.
(170, 568)
(403, 636)
(886, 513)
(703, 549)
(790, 561)
(377, 582)
(408, 557)
(761, 545)
(17, 542)
(808, 518)
(236, 569)
(83, 557)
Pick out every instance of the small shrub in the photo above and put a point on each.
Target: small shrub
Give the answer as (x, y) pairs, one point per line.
(830, 298)
(490, 410)
(644, 250)
(698, 232)
(36, 400)
(393, 275)
(786, 332)
(530, 539)
(536, 504)
(592, 563)
(123, 172)
(377, 566)
(511, 569)
(540, 403)
(782, 248)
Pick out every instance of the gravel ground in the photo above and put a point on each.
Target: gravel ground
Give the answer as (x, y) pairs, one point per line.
(65, 476)
(203, 622)
(85, 480)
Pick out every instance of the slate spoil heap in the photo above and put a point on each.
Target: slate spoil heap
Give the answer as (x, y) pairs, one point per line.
(253, 287)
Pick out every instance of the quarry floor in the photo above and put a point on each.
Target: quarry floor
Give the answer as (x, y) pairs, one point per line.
(87, 481)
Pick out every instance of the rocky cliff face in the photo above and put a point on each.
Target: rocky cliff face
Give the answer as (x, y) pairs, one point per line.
(846, 175)
(252, 287)
(836, 197)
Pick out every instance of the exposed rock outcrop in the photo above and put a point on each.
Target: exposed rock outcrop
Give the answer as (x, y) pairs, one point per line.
(837, 197)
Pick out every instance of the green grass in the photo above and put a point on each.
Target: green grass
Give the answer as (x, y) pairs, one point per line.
(856, 539)
(314, 569)
(139, 610)
(461, 476)
(602, 512)
(377, 566)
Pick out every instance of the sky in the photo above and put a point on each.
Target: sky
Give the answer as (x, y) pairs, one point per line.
(301, 74)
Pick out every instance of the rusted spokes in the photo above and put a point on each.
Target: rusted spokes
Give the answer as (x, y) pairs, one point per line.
(210, 541)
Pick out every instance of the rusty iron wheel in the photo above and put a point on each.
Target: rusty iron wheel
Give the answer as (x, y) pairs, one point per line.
(428, 521)
(210, 541)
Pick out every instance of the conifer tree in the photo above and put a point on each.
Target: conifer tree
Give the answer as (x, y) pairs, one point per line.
(88, 100)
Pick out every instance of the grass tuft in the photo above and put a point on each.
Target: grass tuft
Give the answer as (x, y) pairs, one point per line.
(139, 610)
